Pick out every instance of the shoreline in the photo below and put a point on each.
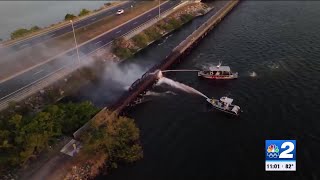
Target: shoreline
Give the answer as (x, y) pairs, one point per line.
(56, 26)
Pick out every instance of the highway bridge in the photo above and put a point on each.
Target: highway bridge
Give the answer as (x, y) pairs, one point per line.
(29, 77)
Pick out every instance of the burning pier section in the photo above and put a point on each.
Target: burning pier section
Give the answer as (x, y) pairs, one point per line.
(141, 85)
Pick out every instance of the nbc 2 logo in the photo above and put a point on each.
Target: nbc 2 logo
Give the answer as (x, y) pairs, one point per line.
(280, 149)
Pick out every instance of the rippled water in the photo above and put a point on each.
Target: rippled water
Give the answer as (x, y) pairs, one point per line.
(280, 42)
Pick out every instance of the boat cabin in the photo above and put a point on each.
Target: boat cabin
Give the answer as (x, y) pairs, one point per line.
(219, 71)
(226, 100)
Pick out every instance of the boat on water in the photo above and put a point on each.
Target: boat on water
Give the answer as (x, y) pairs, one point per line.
(224, 104)
(218, 72)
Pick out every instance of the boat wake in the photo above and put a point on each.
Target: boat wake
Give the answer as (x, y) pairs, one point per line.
(253, 74)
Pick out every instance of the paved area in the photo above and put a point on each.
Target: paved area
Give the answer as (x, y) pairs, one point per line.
(27, 80)
(19, 45)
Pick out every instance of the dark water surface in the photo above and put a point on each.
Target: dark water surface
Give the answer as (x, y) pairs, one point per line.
(182, 139)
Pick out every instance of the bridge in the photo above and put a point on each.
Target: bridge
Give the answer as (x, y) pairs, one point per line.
(147, 80)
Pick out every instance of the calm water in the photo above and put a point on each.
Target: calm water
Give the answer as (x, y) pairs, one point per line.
(182, 139)
(25, 14)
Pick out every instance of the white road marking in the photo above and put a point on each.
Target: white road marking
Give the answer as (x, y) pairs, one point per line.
(24, 45)
(93, 19)
(52, 35)
(38, 72)
(31, 83)
(118, 31)
(97, 42)
(135, 23)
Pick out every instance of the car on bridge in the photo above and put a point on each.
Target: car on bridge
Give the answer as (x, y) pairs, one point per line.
(120, 11)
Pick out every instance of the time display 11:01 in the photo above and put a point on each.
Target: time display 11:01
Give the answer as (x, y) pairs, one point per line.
(273, 166)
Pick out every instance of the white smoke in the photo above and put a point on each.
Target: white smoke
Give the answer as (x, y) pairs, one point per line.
(124, 75)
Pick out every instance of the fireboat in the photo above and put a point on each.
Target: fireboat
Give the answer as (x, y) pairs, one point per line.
(224, 104)
(218, 72)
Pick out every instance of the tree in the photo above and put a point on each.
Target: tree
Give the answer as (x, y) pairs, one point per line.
(19, 33)
(84, 12)
(117, 137)
(75, 115)
(16, 121)
(68, 17)
(107, 4)
(4, 139)
(23, 137)
(34, 28)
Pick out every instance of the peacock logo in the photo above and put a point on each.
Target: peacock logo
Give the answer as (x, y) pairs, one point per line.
(273, 151)
(273, 148)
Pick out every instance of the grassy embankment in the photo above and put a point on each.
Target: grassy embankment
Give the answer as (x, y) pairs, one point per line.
(127, 48)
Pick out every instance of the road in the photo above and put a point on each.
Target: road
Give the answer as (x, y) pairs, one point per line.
(65, 29)
(27, 78)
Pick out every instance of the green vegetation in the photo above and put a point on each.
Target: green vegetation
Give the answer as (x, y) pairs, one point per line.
(120, 47)
(111, 140)
(175, 23)
(68, 17)
(186, 18)
(153, 33)
(84, 12)
(141, 40)
(22, 138)
(126, 48)
(118, 137)
(107, 4)
(22, 32)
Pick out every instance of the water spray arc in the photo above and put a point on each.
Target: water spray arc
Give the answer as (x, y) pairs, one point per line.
(178, 85)
(181, 70)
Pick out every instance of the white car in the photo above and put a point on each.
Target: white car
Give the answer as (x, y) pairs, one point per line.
(120, 11)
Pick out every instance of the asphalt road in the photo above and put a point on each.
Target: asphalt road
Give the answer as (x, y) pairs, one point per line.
(79, 24)
(25, 79)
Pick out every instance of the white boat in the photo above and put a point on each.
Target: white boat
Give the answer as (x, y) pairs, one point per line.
(225, 104)
(218, 72)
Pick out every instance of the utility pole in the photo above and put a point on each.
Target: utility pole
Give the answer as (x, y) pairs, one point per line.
(159, 10)
(75, 41)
